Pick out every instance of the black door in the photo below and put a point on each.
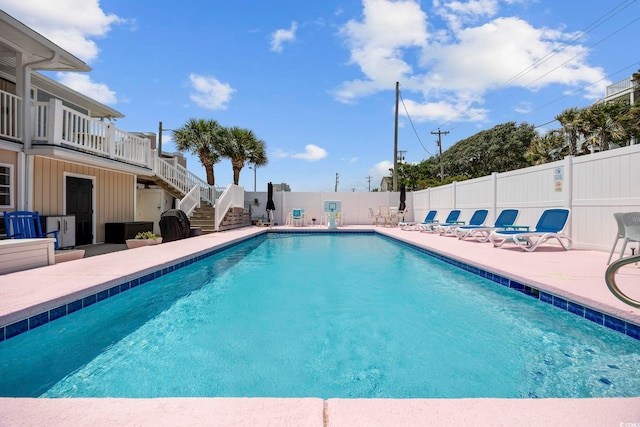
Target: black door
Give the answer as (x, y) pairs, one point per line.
(79, 203)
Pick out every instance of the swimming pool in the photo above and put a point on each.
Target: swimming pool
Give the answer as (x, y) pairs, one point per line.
(312, 315)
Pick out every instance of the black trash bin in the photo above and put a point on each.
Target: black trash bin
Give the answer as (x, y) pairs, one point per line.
(174, 225)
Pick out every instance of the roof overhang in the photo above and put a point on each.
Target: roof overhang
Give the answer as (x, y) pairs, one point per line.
(96, 109)
(15, 37)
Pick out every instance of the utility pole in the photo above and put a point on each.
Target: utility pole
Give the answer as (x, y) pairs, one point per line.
(160, 130)
(254, 167)
(369, 180)
(160, 139)
(439, 142)
(395, 142)
(337, 180)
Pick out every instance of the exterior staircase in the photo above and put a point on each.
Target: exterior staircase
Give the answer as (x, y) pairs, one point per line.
(204, 216)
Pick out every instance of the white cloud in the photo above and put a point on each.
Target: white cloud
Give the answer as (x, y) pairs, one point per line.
(83, 84)
(279, 37)
(444, 111)
(455, 66)
(278, 154)
(523, 108)
(311, 153)
(377, 44)
(457, 13)
(208, 92)
(71, 24)
(380, 170)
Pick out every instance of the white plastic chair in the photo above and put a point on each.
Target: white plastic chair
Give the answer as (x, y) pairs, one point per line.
(297, 217)
(376, 216)
(628, 230)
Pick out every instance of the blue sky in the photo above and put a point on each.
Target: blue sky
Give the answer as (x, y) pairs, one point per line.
(316, 79)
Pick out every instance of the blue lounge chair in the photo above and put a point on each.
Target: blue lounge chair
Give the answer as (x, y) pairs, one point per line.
(477, 220)
(26, 225)
(452, 218)
(549, 226)
(413, 225)
(481, 234)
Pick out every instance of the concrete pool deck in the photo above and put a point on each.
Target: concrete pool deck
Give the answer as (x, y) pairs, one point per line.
(577, 275)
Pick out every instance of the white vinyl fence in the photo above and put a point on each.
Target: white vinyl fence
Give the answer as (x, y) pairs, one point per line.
(593, 186)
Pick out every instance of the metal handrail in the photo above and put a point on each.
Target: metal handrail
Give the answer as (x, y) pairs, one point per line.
(610, 278)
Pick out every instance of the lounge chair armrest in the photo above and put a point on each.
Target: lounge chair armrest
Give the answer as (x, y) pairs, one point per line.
(457, 222)
(516, 227)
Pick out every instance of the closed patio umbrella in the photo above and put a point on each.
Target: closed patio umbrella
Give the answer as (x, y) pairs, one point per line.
(270, 205)
(403, 198)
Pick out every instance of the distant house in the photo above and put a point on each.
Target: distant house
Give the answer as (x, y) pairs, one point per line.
(386, 184)
(625, 90)
(281, 187)
(60, 151)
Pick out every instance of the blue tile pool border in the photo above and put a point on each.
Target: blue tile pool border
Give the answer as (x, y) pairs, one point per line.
(619, 325)
(21, 326)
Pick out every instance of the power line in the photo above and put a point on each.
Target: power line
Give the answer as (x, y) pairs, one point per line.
(608, 15)
(575, 56)
(414, 128)
(635, 64)
(580, 35)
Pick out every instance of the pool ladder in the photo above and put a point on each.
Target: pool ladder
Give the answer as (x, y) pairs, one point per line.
(610, 278)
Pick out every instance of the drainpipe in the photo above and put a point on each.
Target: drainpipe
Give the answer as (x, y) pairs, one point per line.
(26, 201)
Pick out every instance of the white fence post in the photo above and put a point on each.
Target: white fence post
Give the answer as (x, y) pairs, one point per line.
(494, 195)
(568, 190)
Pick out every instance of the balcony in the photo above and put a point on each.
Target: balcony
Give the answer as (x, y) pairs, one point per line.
(57, 125)
(619, 87)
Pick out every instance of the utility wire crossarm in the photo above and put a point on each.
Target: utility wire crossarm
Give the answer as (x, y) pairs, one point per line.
(440, 133)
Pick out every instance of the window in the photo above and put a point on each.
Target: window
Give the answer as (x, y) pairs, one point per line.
(6, 186)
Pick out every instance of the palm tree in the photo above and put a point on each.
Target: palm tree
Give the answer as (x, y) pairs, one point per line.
(546, 148)
(204, 139)
(572, 124)
(602, 123)
(240, 146)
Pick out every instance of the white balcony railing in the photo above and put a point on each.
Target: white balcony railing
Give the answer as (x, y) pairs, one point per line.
(618, 87)
(10, 117)
(56, 124)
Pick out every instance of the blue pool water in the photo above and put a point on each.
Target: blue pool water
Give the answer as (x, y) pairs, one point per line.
(323, 316)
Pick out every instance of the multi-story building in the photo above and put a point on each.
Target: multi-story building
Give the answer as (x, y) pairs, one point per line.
(60, 151)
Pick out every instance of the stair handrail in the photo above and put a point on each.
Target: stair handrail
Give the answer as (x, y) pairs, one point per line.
(610, 278)
(183, 180)
(232, 196)
(190, 201)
